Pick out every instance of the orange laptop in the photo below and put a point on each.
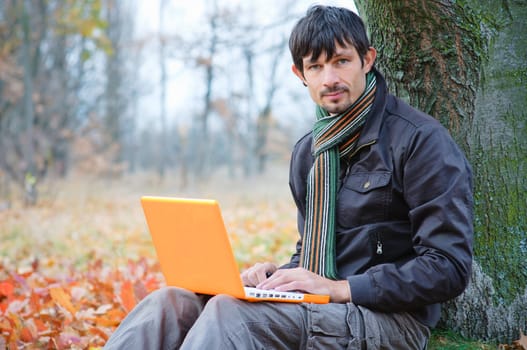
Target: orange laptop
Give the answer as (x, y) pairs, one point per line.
(195, 253)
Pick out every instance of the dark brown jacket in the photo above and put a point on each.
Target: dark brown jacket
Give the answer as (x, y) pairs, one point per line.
(404, 211)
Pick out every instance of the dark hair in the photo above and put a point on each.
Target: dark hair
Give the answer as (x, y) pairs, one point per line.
(321, 27)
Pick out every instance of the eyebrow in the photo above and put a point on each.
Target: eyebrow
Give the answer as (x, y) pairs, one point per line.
(336, 53)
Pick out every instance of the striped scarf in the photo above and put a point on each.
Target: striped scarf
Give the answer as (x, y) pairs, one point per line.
(334, 137)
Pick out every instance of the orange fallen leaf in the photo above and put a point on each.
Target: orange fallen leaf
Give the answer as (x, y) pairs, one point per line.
(5, 329)
(61, 298)
(106, 322)
(100, 333)
(140, 290)
(128, 296)
(151, 284)
(6, 288)
(34, 301)
(41, 326)
(26, 335)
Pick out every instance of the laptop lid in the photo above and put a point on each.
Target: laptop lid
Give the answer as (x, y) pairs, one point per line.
(192, 245)
(195, 253)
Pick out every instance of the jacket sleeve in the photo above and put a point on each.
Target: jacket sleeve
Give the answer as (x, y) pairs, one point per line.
(437, 183)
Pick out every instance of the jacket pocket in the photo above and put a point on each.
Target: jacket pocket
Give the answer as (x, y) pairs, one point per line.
(364, 198)
(366, 182)
(391, 243)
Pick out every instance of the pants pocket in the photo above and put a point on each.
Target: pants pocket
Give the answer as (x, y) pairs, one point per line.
(329, 328)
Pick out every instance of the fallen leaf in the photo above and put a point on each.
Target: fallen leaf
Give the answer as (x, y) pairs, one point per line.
(6, 289)
(69, 340)
(101, 310)
(127, 296)
(41, 326)
(140, 290)
(62, 299)
(26, 335)
(99, 332)
(105, 321)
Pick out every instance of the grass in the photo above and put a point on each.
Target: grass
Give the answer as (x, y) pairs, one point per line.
(447, 340)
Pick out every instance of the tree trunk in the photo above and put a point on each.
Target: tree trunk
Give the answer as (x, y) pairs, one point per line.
(497, 296)
(433, 54)
(29, 114)
(264, 117)
(162, 96)
(503, 88)
(202, 142)
(248, 139)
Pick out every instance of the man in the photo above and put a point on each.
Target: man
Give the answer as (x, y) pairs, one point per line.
(384, 214)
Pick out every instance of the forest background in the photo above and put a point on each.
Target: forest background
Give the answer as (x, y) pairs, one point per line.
(102, 101)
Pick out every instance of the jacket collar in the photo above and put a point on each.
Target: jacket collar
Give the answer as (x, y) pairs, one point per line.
(372, 127)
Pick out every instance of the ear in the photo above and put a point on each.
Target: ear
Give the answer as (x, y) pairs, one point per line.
(369, 59)
(298, 73)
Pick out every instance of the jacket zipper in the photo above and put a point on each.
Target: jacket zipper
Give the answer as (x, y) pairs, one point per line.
(379, 244)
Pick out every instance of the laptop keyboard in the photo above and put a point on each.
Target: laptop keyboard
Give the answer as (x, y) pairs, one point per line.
(272, 294)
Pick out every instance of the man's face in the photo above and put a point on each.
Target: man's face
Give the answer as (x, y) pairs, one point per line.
(336, 83)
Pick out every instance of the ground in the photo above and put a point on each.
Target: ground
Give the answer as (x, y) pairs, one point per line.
(73, 265)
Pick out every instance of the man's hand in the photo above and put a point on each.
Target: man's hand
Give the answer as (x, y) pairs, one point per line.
(257, 273)
(299, 279)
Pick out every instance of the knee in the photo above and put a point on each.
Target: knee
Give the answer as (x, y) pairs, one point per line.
(221, 316)
(221, 301)
(223, 307)
(171, 297)
(159, 296)
(169, 294)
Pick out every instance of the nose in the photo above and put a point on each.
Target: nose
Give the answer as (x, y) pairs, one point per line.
(330, 76)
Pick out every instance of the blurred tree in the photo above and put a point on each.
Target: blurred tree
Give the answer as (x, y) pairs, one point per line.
(236, 58)
(263, 122)
(202, 143)
(120, 83)
(27, 108)
(44, 99)
(162, 159)
(113, 96)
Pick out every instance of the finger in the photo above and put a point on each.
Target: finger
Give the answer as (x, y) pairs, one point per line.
(263, 272)
(293, 279)
(249, 277)
(277, 278)
(245, 277)
(257, 273)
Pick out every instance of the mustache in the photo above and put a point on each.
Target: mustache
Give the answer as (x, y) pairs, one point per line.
(333, 89)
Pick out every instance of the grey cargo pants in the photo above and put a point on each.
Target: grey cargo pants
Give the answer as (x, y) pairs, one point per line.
(173, 318)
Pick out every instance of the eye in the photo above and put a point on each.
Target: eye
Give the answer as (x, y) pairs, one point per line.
(342, 61)
(313, 67)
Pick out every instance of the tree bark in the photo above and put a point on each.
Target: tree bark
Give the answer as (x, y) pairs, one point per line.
(433, 54)
(503, 88)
